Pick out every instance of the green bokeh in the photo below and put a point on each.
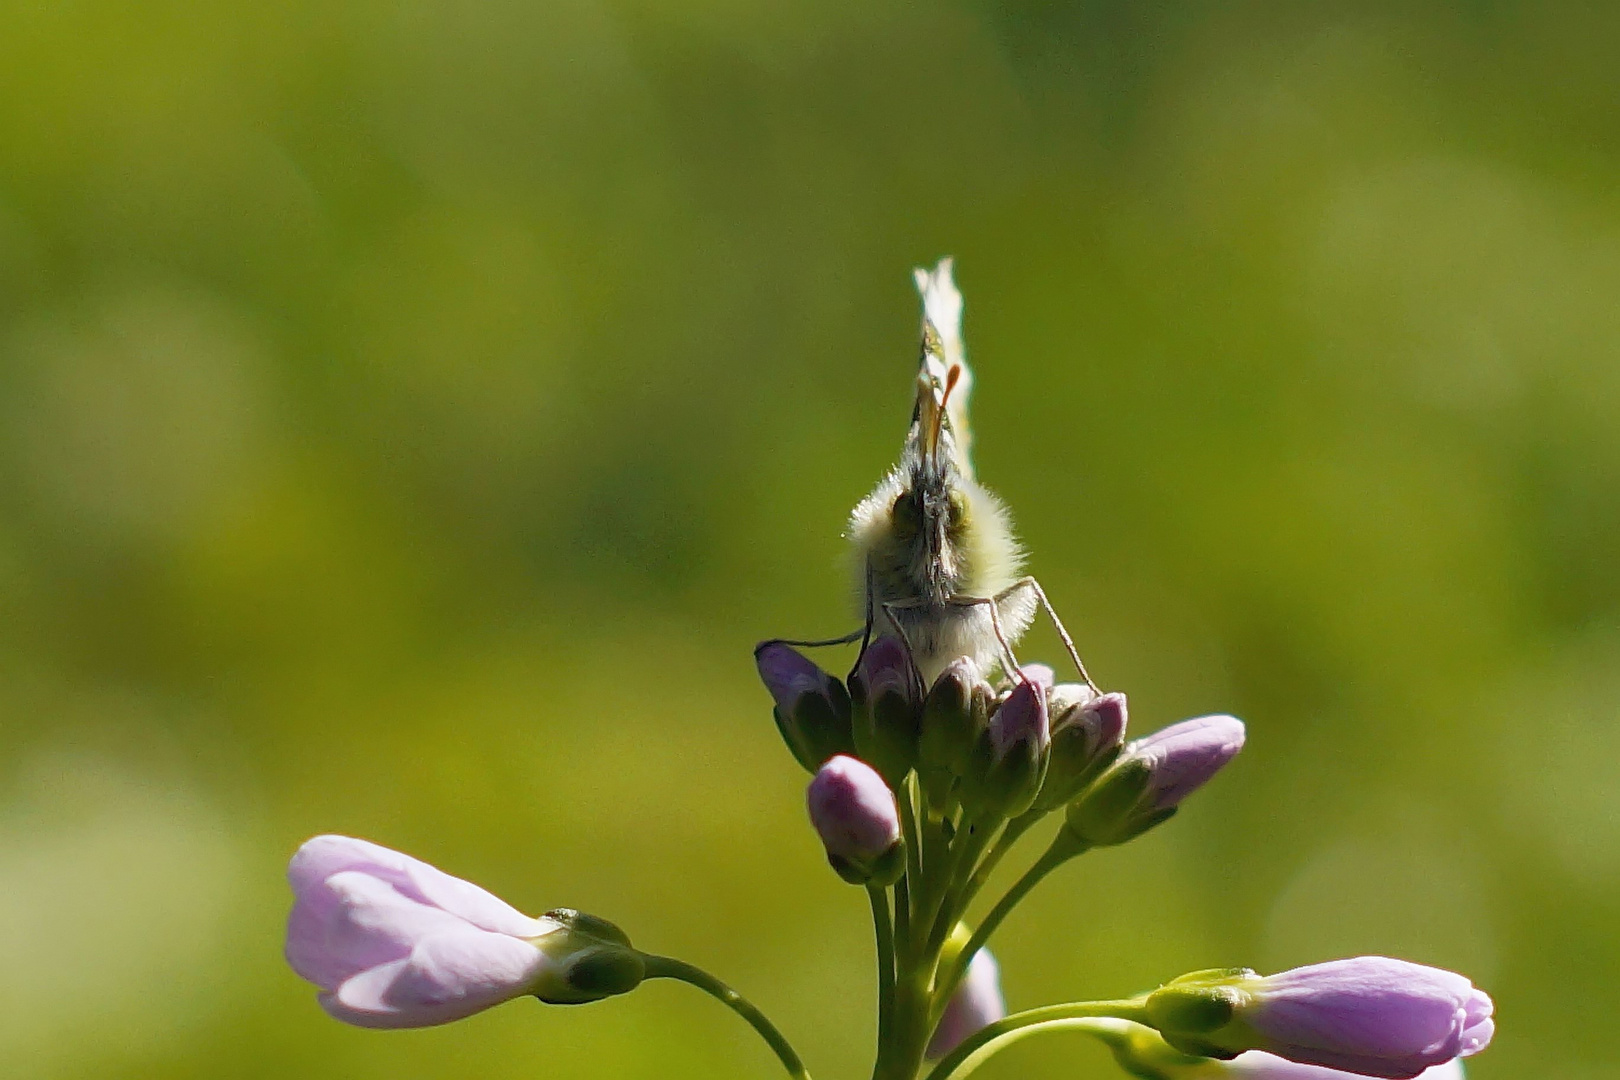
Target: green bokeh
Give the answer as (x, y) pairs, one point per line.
(411, 414)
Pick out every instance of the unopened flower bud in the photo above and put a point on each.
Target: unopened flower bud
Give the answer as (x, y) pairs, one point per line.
(1371, 1015)
(976, 1002)
(1010, 759)
(812, 707)
(1086, 734)
(887, 699)
(855, 814)
(395, 943)
(1144, 786)
(1041, 675)
(955, 714)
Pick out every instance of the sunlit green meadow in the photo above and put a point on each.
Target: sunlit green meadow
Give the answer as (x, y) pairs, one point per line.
(412, 413)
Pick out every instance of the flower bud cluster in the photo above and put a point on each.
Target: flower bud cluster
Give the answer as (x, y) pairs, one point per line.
(1030, 746)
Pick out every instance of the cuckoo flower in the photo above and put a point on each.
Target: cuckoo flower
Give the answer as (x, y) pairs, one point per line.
(395, 943)
(976, 1002)
(855, 815)
(1087, 730)
(956, 714)
(1370, 1015)
(1010, 759)
(812, 708)
(887, 699)
(1151, 777)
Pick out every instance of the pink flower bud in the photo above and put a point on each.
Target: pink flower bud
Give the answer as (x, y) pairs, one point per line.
(395, 943)
(888, 701)
(1371, 1015)
(1021, 722)
(855, 814)
(812, 708)
(1009, 761)
(1150, 778)
(976, 1002)
(1086, 734)
(1183, 757)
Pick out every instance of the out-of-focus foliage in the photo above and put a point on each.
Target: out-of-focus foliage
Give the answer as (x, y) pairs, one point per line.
(411, 414)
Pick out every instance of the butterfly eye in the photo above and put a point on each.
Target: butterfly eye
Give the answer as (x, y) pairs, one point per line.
(905, 515)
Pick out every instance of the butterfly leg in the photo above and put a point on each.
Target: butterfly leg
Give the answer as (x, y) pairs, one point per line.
(853, 635)
(889, 608)
(1034, 586)
(1008, 660)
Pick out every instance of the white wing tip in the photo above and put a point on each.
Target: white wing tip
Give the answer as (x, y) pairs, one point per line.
(942, 301)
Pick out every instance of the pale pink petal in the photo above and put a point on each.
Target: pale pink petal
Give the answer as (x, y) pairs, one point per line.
(446, 977)
(478, 906)
(353, 921)
(976, 1003)
(323, 856)
(1259, 1065)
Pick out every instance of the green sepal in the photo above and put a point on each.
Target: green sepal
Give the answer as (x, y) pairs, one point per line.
(1104, 813)
(1069, 772)
(1202, 1012)
(880, 873)
(591, 959)
(1191, 1010)
(885, 732)
(955, 713)
(1191, 1044)
(578, 922)
(593, 974)
(819, 727)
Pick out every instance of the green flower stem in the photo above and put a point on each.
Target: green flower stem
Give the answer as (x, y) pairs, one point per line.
(885, 949)
(902, 924)
(665, 967)
(904, 799)
(1064, 847)
(1016, 828)
(978, 1048)
(969, 845)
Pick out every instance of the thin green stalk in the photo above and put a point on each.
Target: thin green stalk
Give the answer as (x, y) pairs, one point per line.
(965, 853)
(914, 869)
(978, 1047)
(1015, 829)
(1063, 848)
(665, 967)
(885, 953)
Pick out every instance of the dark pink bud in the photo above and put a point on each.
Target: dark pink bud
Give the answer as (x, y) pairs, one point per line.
(812, 708)
(888, 699)
(855, 814)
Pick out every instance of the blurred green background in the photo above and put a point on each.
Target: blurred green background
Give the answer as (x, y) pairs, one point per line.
(411, 414)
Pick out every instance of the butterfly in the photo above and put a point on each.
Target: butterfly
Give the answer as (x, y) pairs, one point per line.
(936, 562)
